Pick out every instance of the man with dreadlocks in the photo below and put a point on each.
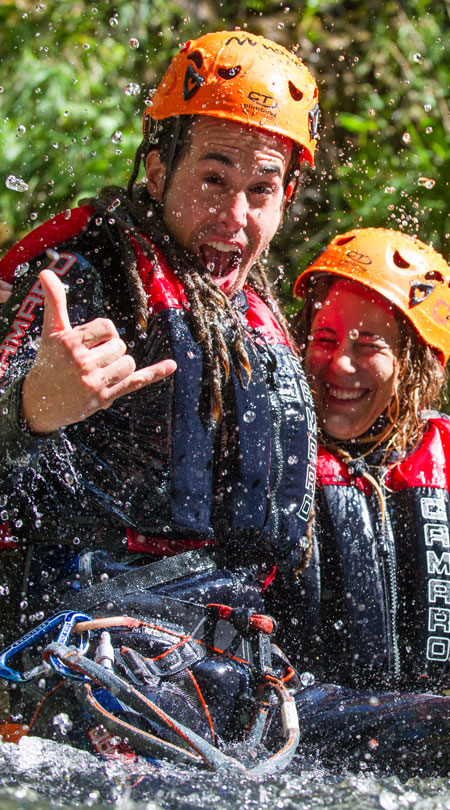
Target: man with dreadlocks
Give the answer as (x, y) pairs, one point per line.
(151, 403)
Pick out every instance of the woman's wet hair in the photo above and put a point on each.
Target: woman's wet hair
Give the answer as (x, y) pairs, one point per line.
(421, 380)
(137, 216)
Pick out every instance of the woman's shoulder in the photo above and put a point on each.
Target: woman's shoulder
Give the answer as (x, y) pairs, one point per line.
(429, 463)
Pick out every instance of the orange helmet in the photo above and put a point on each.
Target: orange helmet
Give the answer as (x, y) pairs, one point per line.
(402, 269)
(245, 78)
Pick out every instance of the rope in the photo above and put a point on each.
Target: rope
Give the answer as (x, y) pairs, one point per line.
(149, 743)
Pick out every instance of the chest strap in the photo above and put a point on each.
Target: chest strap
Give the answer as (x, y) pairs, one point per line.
(143, 578)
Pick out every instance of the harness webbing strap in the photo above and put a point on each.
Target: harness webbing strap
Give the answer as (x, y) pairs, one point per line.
(141, 579)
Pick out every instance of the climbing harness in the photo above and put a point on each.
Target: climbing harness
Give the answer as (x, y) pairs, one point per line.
(133, 680)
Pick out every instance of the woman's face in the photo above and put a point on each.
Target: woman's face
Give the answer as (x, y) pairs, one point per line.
(352, 359)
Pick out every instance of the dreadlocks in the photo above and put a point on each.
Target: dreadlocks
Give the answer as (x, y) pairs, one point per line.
(137, 216)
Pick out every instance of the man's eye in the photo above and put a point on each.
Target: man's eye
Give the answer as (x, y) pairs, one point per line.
(263, 189)
(212, 180)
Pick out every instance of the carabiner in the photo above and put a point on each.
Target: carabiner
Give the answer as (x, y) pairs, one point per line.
(67, 618)
(72, 617)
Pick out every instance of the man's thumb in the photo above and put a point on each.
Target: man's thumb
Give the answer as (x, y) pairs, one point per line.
(56, 317)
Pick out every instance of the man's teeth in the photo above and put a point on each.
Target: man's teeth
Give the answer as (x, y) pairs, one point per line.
(224, 247)
(338, 393)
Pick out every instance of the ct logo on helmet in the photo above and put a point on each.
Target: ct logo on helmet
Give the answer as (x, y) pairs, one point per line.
(260, 98)
(360, 258)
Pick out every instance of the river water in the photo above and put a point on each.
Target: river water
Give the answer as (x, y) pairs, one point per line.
(43, 775)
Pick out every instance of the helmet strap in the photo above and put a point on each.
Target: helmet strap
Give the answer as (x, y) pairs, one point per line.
(171, 152)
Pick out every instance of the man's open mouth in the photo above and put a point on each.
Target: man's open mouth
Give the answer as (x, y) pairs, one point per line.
(220, 258)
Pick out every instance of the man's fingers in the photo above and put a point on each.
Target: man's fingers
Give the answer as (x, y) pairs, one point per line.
(141, 378)
(56, 318)
(5, 291)
(98, 332)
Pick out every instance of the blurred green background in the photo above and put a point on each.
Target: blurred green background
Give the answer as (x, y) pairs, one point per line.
(75, 75)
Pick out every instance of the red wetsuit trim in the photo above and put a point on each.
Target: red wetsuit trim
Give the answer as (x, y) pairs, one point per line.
(51, 233)
(427, 466)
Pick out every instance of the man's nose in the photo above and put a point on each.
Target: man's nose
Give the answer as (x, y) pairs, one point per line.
(235, 210)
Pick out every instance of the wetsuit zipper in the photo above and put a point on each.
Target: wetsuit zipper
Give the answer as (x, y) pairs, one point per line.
(387, 550)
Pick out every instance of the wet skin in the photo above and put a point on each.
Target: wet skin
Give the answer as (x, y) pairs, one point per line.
(352, 359)
(225, 198)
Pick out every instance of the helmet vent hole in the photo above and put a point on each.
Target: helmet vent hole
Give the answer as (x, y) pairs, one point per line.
(400, 261)
(344, 240)
(229, 73)
(296, 94)
(435, 275)
(197, 59)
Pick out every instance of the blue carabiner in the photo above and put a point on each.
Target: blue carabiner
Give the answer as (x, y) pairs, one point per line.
(72, 617)
(67, 618)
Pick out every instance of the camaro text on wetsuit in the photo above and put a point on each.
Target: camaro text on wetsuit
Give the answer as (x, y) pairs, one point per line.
(60, 264)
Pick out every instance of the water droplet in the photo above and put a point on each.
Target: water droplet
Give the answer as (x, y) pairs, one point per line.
(134, 42)
(33, 215)
(249, 416)
(113, 21)
(418, 58)
(372, 112)
(307, 679)
(353, 334)
(21, 129)
(280, 26)
(104, 577)
(98, 221)
(389, 190)
(338, 625)
(427, 107)
(190, 354)
(63, 722)
(86, 46)
(117, 136)
(406, 137)
(428, 130)
(292, 459)
(4, 515)
(341, 57)
(69, 478)
(2, 89)
(426, 182)
(304, 543)
(15, 183)
(132, 89)
(21, 269)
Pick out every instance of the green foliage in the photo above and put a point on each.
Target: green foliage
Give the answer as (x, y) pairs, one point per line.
(70, 115)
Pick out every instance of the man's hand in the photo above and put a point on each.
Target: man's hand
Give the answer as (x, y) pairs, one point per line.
(80, 370)
(5, 291)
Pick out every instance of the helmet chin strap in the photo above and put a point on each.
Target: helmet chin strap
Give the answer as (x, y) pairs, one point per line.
(171, 154)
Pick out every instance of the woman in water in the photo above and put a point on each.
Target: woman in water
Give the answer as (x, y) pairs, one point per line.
(371, 610)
